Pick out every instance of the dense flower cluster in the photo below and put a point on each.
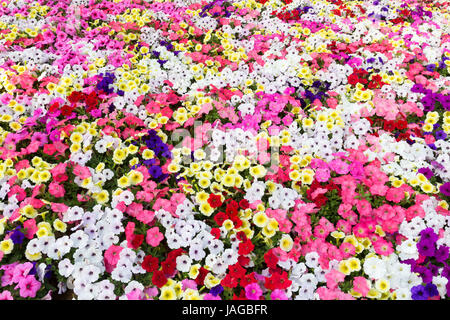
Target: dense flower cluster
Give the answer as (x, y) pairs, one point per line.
(224, 149)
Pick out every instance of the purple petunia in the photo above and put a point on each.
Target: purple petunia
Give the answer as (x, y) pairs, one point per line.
(429, 234)
(216, 290)
(446, 272)
(445, 101)
(433, 269)
(17, 236)
(426, 275)
(445, 189)
(427, 172)
(419, 293)
(428, 103)
(442, 254)
(155, 171)
(440, 135)
(417, 88)
(431, 290)
(426, 247)
(431, 67)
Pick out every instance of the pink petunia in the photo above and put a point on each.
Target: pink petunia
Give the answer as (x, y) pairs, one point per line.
(112, 254)
(56, 190)
(278, 294)
(326, 293)
(28, 287)
(188, 284)
(210, 296)
(145, 216)
(7, 277)
(154, 237)
(178, 198)
(339, 166)
(361, 286)
(378, 189)
(395, 195)
(21, 271)
(364, 207)
(360, 230)
(134, 209)
(322, 174)
(253, 291)
(59, 207)
(134, 294)
(82, 172)
(347, 249)
(383, 247)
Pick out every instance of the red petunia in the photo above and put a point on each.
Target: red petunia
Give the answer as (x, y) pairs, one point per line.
(377, 78)
(66, 110)
(241, 236)
(336, 12)
(150, 263)
(76, 96)
(236, 271)
(214, 201)
(136, 241)
(397, 20)
(169, 266)
(247, 279)
(220, 217)
(243, 261)
(54, 107)
(232, 208)
(246, 247)
(241, 296)
(244, 204)
(370, 120)
(91, 101)
(278, 281)
(403, 136)
(401, 124)
(201, 276)
(229, 281)
(320, 200)
(172, 255)
(236, 221)
(353, 79)
(270, 259)
(215, 232)
(389, 125)
(159, 279)
(372, 85)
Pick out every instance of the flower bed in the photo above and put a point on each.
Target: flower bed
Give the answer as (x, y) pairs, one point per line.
(223, 150)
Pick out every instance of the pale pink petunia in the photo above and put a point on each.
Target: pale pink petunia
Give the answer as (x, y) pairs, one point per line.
(6, 295)
(333, 278)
